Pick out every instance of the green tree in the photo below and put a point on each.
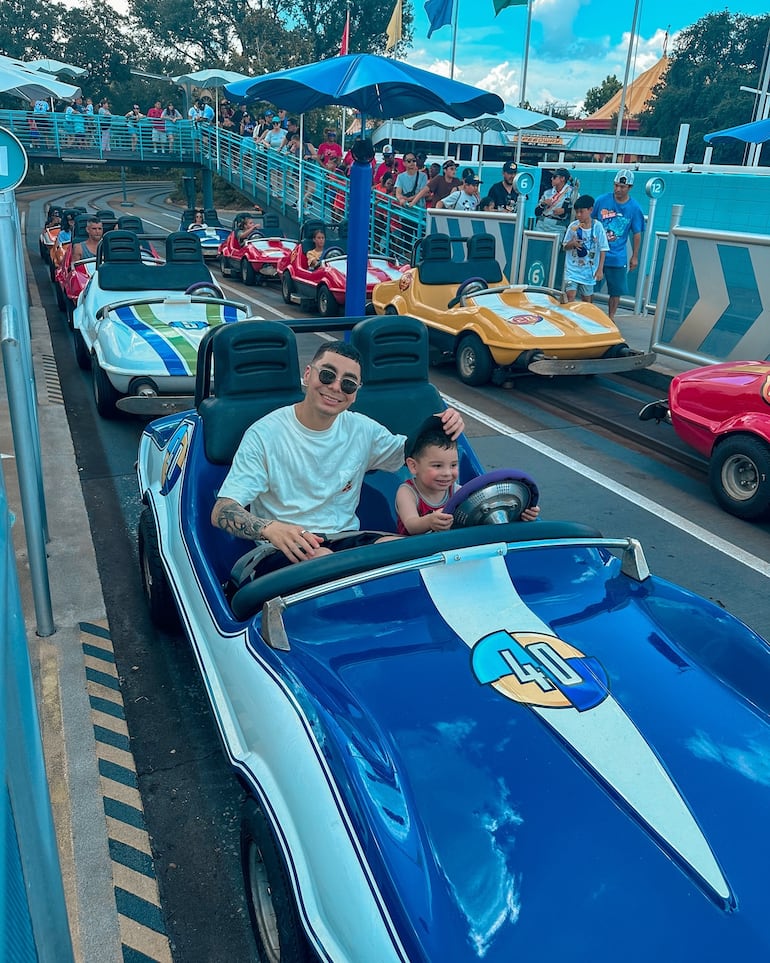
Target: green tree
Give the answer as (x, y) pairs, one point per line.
(597, 97)
(26, 29)
(711, 60)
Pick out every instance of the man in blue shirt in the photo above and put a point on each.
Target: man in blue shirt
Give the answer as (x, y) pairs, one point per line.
(621, 218)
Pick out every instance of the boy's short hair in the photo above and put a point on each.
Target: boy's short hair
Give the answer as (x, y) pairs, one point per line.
(430, 432)
(583, 202)
(343, 348)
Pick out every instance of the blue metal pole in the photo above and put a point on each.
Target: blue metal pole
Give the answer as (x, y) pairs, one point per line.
(358, 237)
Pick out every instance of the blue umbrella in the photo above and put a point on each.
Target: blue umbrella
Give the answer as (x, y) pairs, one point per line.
(377, 87)
(755, 133)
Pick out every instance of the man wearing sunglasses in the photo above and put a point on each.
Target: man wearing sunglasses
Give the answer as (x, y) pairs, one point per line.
(301, 468)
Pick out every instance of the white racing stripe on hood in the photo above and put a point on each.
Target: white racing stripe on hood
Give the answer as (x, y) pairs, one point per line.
(482, 600)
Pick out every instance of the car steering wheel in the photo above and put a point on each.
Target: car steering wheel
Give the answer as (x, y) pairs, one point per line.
(468, 286)
(256, 232)
(203, 288)
(333, 252)
(496, 498)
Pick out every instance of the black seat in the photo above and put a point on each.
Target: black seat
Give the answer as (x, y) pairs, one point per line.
(395, 388)
(119, 247)
(106, 215)
(271, 224)
(435, 260)
(482, 258)
(211, 217)
(188, 216)
(256, 370)
(130, 222)
(183, 247)
(79, 232)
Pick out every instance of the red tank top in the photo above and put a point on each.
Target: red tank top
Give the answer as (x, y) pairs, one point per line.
(423, 507)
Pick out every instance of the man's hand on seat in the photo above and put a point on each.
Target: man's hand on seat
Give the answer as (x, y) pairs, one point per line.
(453, 422)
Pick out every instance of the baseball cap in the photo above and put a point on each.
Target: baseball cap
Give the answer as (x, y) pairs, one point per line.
(449, 163)
(470, 179)
(388, 149)
(510, 167)
(626, 176)
(561, 172)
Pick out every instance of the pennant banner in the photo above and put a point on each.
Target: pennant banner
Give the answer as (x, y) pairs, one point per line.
(502, 4)
(346, 36)
(394, 26)
(439, 14)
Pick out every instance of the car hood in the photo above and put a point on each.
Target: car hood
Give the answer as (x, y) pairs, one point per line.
(543, 756)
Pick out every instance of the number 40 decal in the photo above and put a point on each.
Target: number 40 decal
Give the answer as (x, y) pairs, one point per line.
(549, 658)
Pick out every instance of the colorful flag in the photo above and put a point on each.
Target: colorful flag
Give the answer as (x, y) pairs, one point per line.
(346, 35)
(502, 4)
(394, 26)
(439, 13)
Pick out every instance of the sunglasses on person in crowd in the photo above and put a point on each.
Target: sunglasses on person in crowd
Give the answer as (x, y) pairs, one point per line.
(327, 376)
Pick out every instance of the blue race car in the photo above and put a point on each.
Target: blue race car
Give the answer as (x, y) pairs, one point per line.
(499, 742)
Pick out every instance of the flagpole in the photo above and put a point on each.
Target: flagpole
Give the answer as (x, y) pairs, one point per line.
(622, 108)
(524, 68)
(344, 47)
(452, 58)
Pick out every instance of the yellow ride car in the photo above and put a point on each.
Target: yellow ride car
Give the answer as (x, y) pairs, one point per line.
(493, 329)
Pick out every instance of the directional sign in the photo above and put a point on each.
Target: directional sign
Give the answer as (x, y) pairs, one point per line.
(13, 161)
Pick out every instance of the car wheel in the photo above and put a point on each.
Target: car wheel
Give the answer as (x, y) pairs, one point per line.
(327, 306)
(248, 275)
(739, 476)
(473, 360)
(272, 908)
(82, 354)
(160, 599)
(391, 309)
(60, 301)
(287, 287)
(105, 395)
(223, 268)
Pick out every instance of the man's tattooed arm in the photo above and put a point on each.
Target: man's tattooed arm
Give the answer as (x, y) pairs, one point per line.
(235, 519)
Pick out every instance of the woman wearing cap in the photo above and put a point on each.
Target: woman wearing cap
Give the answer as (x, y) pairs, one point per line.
(133, 117)
(554, 209)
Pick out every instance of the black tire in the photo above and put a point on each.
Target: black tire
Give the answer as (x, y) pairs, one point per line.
(473, 361)
(621, 350)
(287, 287)
(334, 252)
(327, 306)
(272, 907)
(248, 275)
(224, 270)
(739, 476)
(160, 600)
(82, 354)
(391, 309)
(105, 395)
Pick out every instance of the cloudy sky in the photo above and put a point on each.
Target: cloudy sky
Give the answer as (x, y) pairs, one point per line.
(574, 44)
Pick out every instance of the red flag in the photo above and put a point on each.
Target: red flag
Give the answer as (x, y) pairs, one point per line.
(345, 35)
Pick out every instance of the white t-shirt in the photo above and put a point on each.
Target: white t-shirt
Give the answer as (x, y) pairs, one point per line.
(310, 478)
(581, 268)
(459, 200)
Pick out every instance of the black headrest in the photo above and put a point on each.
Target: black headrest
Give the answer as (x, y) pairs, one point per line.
(211, 217)
(436, 247)
(79, 232)
(106, 214)
(130, 222)
(396, 390)
(481, 247)
(256, 369)
(183, 246)
(119, 246)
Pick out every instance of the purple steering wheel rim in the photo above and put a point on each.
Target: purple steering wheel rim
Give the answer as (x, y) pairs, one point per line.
(491, 478)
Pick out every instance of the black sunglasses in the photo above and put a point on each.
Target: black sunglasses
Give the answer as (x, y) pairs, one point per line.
(327, 376)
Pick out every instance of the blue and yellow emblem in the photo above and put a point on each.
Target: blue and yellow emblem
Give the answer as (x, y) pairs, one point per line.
(539, 670)
(176, 456)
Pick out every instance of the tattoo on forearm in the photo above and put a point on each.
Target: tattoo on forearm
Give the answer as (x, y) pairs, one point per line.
(233, 518)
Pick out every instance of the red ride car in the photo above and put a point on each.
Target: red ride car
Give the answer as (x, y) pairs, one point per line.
(253, 254)
(323, 280)
(723, 411)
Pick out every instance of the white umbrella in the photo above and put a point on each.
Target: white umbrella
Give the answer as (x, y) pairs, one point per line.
(32, 85)
(509, 119)
(56, 67)
(209, 80)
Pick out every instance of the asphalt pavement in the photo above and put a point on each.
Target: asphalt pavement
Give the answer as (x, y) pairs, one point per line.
(105, 854)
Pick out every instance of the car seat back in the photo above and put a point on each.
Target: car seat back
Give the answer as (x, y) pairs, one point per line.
(481, 255)
(211, 217)
(271, 224)
(79, 232)
(188, 216)
(119, 247)
(130, 222)
(434, 257)
(183, 247)
(256, 369)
